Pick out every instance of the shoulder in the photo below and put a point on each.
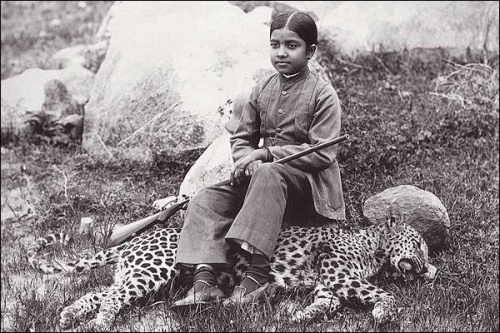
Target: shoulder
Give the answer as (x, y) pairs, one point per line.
(320, 82)
(322, 88)
(265, 82)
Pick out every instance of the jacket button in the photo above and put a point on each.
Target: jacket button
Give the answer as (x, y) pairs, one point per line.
(284, 93)
(278, 130)
(280, 111)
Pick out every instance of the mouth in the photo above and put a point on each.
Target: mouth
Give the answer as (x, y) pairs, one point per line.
(410, 268)
(282, 63)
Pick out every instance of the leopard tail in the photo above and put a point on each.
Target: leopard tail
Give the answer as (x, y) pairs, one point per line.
(102, 258)
(40, 244)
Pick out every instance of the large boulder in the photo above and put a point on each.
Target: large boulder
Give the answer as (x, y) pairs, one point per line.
(421, 209)
(366, 25)
(168, 69)
(216, 162)
(213, 166)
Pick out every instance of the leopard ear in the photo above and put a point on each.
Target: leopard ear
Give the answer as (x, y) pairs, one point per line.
(389, 222)
(393, 221)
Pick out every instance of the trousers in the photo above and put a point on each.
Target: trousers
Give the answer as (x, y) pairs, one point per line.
(217, 216)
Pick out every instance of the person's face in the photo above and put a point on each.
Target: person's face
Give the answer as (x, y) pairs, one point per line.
(288, 51)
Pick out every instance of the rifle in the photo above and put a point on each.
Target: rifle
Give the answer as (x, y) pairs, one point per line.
(130, 230)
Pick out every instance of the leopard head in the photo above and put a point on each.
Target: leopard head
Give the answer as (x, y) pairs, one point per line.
(405, 249)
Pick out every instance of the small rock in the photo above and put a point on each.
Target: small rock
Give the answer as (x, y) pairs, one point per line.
(86, 224)
(421, 209)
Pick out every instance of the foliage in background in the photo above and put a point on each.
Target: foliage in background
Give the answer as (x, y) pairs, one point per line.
(53, 25)
(427, 121)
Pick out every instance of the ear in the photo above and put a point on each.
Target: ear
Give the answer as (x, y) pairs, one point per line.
(310, 51)
(389, 223)
(394, 221)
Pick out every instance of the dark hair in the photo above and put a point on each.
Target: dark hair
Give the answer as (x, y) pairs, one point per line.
(299, 22)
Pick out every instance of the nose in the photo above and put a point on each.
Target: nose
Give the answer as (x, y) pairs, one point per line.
(281, 52)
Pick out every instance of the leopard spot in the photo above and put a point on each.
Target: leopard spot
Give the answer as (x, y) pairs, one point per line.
(280, 268)
(151, 285)
(164, 273)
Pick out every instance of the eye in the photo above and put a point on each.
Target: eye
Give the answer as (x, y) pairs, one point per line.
(292, 46)
(274, 45)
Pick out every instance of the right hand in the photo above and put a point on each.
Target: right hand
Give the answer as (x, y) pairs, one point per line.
(246, 166)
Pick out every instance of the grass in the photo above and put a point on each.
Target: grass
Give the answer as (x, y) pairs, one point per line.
(429, 124)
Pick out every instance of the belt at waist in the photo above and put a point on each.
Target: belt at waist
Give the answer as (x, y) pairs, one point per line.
(271, 141)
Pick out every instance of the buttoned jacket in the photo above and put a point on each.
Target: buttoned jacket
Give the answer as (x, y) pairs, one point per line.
(289, 115)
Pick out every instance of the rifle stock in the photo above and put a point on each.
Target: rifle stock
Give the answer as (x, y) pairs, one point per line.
(130, 230)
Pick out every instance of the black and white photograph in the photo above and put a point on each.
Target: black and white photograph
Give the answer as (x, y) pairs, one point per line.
(250, 166)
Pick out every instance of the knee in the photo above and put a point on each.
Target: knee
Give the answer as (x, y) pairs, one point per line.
(200, 198)
(268, 171)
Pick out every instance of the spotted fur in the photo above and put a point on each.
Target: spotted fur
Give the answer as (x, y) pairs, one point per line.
(335, 263)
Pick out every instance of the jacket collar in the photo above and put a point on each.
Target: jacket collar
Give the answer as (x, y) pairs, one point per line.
(295, 78)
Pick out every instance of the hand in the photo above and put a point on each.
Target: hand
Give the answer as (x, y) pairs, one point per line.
(246, 166)
(250, 169)
(162, 204)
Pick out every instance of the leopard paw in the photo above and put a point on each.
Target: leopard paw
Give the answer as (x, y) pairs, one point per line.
(300, 316)
(162, 204)
(68, 317)
(384, 311)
